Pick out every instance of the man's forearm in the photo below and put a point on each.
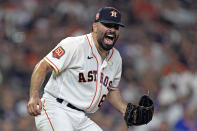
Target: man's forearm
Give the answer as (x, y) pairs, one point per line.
(116, 100)
(37, 79)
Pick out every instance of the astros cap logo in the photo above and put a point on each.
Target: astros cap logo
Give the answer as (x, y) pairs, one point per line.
(97, 16)
(113, 13)
(109, 15)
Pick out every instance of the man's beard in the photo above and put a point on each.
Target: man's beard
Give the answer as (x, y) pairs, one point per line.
(104, 46)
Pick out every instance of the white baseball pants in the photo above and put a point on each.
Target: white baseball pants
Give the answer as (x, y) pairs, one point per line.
(58, 117)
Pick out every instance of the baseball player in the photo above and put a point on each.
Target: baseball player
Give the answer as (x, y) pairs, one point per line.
(86, 70)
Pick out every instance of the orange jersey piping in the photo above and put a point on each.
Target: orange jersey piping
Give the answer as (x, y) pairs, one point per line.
(97, 73)
(48, 116)
(55, 67)
(99, 94)
(111, 54)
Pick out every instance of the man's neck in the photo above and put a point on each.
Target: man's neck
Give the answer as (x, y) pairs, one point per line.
(103, 53)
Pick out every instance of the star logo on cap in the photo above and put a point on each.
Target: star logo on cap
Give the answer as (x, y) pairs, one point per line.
(97, 16)
(113, 13)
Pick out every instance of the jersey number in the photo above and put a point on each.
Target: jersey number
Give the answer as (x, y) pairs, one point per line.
(102, 100)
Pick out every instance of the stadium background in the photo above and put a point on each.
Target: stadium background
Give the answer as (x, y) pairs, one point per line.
(158, 46)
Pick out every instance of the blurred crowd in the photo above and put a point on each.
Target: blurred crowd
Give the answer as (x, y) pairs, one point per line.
(158, 46)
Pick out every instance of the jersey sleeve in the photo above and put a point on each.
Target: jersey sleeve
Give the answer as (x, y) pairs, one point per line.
(117, 77)
(60, 57)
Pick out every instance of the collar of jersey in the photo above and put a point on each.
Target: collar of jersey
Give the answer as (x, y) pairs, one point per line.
(95, 49)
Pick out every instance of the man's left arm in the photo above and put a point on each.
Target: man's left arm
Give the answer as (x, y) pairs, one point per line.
(117, 101)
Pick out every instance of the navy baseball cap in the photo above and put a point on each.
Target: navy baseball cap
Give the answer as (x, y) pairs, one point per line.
(109, 15)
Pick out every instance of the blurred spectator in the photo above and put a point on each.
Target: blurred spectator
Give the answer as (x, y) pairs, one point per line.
(170, 9)
(7, 126)
(164, 126)
(8, 101)
(26, 124)
(188, 122)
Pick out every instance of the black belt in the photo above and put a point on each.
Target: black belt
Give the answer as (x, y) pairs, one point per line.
(69, 105)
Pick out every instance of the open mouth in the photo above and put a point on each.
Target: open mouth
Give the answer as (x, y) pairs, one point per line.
(109, 39)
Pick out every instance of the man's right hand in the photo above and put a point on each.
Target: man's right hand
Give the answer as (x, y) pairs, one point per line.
(34, 106)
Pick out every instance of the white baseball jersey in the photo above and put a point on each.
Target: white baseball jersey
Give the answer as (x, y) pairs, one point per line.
(80, 76)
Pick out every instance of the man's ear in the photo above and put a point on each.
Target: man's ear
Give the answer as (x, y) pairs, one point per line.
(94, 27)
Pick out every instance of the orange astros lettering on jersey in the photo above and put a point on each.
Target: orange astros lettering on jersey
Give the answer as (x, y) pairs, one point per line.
(59, 52)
